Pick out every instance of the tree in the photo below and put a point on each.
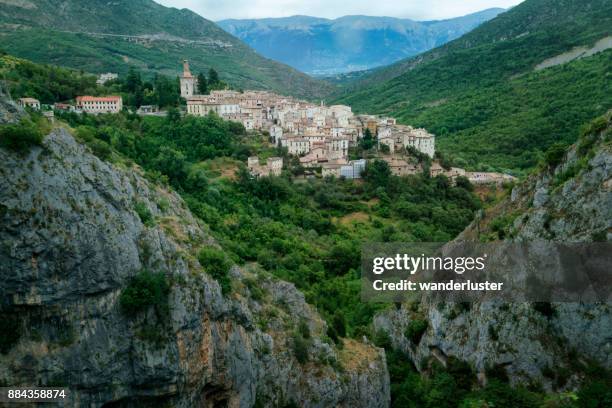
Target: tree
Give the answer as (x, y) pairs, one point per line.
(144, 290)
(171, 163)
(133, 81)
(202, 84)
(173, 115)
(213, 77)
(339, 324)
(216, 265)
(20, 137)
(555, 153)
(378, 173)
(367, 142)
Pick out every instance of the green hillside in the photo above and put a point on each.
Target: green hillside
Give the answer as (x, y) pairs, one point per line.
(100, 36)
(482, 94)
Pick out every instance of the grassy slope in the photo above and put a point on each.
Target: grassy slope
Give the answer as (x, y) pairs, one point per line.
(47, 34)
(480, 94)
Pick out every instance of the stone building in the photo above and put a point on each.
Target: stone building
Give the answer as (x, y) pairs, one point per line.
(189, 83)
(273, 166)
(276, 133)
(296, 145)
(353, 169)
(99, 104)
(29, 103)
(399, 166)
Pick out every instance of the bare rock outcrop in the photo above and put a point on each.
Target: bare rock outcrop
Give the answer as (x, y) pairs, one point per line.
(533, 344)
(71, 239)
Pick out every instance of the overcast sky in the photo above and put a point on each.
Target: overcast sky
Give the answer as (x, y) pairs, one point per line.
(414, 9)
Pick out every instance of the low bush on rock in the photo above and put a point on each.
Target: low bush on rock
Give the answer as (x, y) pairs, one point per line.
(20, 137)
(216, 265)
(146, 289)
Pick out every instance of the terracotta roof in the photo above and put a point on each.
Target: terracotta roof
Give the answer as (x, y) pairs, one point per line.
(98, 98)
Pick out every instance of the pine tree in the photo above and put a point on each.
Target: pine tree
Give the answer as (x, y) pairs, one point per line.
(202, 84)
(213, 77)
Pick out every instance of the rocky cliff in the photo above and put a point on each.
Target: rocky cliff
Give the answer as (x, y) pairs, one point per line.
(551, 345)
(10, 112)
(72, 239)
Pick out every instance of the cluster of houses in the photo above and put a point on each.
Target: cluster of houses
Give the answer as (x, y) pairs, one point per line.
(319, 135)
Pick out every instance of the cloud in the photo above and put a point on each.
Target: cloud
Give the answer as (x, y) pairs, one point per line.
(415, 9)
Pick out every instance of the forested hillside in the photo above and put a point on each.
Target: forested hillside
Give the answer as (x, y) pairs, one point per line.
(99, 36)
(484, 98)
(212, 258)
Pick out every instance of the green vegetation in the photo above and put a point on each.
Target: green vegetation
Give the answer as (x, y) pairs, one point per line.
(20, 137)
(554, 155)
(146, 289)
(90, 38)
(456, 387)
(415, 330)
(144, 214)
(216, 264)
(305, 232)
(481, 95)
(300, 344)
(51, 84)
(47, 83)
(10, 327)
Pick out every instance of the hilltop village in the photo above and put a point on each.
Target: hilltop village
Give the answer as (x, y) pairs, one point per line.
(320, 138)
(321, 135)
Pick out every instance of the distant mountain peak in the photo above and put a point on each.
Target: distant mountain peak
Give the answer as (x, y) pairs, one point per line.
(349, 43)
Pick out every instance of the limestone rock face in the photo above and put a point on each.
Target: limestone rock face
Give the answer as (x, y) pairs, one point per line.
(10, 112)
(570, 203)
(71, 240)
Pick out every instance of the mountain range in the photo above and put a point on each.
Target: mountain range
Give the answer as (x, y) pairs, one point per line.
(99, 36)
(320, 46)
(503, 93)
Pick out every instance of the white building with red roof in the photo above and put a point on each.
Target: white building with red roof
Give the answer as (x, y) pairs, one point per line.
(99, 104)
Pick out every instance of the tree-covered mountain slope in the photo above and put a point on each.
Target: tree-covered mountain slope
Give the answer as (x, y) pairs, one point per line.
(326, 47)
(100, 36)
(482, 93)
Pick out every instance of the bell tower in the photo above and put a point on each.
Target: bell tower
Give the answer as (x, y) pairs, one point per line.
(188, 82)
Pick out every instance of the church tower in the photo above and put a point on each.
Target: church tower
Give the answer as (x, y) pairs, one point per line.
(189, 83)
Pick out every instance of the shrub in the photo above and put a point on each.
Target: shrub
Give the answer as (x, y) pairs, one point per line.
(100, 148)
(382, 339)
(554, 155)
(501, 394)
(331, 333)
(146, 289)
(415, 330)
(339, 324)
(546, 309)
(303, 329)
(300, 348)
(461, 372)
(10, 327)
(144, 214)
(595, 395)
(216, 265)
(20, 137)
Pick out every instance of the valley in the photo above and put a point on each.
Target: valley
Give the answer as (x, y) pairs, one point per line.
(193, 235)
(323, 47)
